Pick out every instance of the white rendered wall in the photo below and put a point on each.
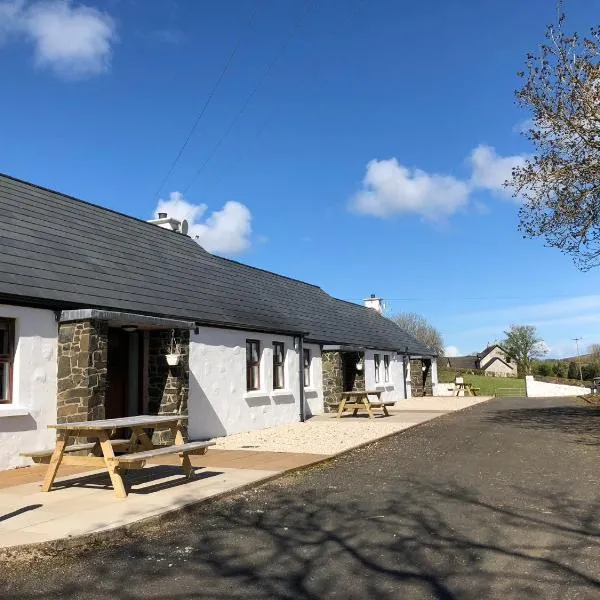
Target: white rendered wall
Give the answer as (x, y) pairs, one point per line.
(218, 401)
(313, 394)
(541, 389)
(434, 373)
(392, 390)
(24, 422)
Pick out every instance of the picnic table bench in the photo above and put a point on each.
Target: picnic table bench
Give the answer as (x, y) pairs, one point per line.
(359, 400)
(137, 450)
(466, 388)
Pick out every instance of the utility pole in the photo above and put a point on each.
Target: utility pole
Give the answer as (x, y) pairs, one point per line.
(576, 340)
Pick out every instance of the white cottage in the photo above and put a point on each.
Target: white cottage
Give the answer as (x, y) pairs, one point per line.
(93, 301)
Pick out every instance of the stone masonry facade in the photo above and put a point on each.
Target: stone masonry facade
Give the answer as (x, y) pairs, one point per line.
(420, 381)
(335, 366)
(168, 387)
(82, 368)
(82, 374)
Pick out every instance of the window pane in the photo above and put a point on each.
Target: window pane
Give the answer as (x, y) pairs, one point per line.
(306, 368)
(4, 370)
(4, 338)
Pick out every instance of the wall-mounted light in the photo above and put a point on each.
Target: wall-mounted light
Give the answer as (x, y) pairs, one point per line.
(129, 328)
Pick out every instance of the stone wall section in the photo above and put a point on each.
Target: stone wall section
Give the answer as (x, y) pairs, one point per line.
(421, 381)
(82, 355)
(334, 364)
(332, 377)
(168, 387)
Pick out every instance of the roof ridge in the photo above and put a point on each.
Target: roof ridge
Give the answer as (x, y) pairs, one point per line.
(87, 202)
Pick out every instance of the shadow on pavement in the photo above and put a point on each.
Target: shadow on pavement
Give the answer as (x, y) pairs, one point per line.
(578, 420)
(401, 539)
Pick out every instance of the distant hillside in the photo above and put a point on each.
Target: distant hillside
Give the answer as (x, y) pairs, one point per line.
(583, 358)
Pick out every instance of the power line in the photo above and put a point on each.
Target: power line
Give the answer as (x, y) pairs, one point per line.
(271, 117)
(208, 100)
(250, 97)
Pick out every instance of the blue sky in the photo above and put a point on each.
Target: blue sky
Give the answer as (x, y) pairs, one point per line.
(358, 145)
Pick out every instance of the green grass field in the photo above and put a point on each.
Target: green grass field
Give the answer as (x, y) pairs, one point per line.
(488, 386)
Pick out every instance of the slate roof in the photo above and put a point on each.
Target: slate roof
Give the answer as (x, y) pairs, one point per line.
(461, 362)
(61, 252)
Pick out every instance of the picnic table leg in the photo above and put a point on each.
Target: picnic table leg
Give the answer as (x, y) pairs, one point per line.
(139, 434)
(61, 441)
(109, 458)
(385, 410)
(341, 408)
(184, 458)
(367, 406)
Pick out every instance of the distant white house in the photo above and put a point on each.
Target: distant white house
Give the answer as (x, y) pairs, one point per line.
(493, 360)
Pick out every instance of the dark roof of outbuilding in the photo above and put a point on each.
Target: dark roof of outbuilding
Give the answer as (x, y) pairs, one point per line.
(462, 362)
(63, 252)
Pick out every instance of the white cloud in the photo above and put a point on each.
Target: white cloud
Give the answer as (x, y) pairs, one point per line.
(391, 188)
(490, 171)
(451, 351)
(75, 41)
(226, 231)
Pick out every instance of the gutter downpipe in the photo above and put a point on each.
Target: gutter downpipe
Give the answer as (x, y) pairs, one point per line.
(406, 355)
(301, 377)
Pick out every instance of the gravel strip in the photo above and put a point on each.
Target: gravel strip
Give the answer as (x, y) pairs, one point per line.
(312, 437)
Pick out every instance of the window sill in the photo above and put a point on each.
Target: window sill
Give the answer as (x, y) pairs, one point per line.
(310, 389)
(6, 410)
(256, 394)
(279, 392)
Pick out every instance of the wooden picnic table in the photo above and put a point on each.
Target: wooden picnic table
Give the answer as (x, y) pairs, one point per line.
(466, 388)
(137, 450)
(360, 400)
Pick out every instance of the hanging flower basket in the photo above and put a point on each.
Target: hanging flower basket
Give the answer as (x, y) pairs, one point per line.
(174, 354)
(359, 365)
(173, 359)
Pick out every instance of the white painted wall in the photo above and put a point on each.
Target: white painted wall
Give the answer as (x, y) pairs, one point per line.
(218, 401)
(541, 389)
(392, 390)
(24, 422)
(434, 373)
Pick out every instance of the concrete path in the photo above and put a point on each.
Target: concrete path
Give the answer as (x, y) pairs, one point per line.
(83, 502)
(498, 502)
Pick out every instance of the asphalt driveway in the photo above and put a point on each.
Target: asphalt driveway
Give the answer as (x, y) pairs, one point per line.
(501, 500)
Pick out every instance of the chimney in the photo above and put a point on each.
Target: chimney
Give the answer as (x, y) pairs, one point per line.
(374, 303)
(170, 223)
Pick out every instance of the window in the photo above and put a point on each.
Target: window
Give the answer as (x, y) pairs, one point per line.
(7, 342)
(386, 367)
(278, 359)
(252, 364)
(306, 367)
(377, 362)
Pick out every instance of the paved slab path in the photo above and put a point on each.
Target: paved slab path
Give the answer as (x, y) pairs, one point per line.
(499, 501)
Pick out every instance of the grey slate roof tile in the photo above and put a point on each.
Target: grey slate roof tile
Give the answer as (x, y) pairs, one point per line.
(68, 253)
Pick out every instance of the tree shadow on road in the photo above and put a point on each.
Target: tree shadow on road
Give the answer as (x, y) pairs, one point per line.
(401, 539)
(582, 421)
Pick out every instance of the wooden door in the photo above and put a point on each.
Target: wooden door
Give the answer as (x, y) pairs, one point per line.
(117, 374)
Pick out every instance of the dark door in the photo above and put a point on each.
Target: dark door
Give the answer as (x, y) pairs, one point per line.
(117, 375)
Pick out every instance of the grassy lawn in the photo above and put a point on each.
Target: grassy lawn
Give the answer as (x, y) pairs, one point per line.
(488, 386)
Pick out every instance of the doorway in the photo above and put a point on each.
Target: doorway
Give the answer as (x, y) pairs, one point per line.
(123, 396)
(353, 379)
